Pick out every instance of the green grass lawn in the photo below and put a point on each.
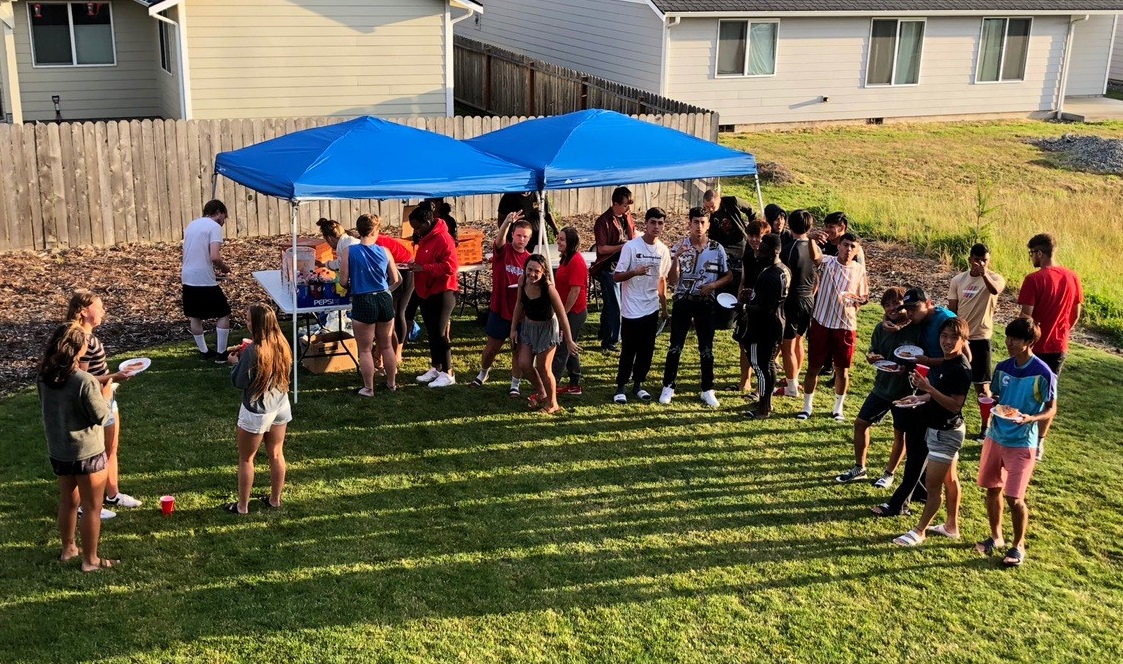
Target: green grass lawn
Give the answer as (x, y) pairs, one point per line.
(920, 184)
(454, 526)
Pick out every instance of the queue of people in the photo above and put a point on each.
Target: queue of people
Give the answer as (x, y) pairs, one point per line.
(789, 284)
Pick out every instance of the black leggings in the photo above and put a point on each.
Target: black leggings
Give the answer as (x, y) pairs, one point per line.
(916, 460)
(402, 296)
(762, 355)
(436, 310)
(701, 313)
(637, 346)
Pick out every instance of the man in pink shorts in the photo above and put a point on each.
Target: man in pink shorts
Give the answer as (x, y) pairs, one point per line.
(1027, 385)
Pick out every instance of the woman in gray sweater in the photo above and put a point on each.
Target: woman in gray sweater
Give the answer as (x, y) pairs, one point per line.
(75, 408)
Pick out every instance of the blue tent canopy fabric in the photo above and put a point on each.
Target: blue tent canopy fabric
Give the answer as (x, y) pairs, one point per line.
(370, 158)
(602, 148)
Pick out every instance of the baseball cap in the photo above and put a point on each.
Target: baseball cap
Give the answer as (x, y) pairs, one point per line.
(914, 296)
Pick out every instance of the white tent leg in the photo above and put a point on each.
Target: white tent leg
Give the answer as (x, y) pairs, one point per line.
(543, 242)
(759, 196)
(295, 316)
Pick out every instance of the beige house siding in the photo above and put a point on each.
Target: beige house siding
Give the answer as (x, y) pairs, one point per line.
(1091, 42)
(620, 41)
(123, 91)
(168, 85)
(827, 58)
(250, 58)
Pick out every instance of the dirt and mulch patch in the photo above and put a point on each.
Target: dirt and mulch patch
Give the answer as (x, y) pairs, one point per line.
(140, 286)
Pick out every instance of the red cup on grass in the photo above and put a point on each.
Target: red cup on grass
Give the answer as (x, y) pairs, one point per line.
(985, 406)
(167, 505)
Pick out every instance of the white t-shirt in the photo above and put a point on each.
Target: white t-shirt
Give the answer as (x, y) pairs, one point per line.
(197, 240)
(340, 249)
(639, 296)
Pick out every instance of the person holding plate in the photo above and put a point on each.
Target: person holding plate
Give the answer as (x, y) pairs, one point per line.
(890, 384)
(765, 315)
(1026, 390)
(699, 268)
(934, 432)
(87, 311)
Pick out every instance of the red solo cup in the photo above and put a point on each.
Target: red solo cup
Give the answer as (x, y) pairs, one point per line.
(922, 370)
(245, 344)
(167, 505)
(985, 406)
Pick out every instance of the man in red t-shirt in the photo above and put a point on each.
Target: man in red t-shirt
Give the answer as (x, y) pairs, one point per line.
(1052, 297)
(507, 264)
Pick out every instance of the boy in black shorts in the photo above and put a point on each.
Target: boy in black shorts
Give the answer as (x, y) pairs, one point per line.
(973, 296)
(799, 254)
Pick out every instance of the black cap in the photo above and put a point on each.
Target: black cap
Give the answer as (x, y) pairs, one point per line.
(914, 296)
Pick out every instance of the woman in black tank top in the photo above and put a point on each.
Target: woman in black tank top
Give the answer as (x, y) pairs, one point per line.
(539, 324)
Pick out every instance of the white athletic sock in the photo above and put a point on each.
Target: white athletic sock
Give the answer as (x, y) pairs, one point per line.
(838, 400)
(793, 387)
(515, 383)
(482, 375)
(808, 397)
(223, 334)
(200, 342)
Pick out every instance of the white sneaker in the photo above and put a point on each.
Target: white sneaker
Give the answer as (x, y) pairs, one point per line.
(666, 395)
(885, 481)
(429, 376)
(710, 399)
(105, 514)
(443, 380)
(123, 500)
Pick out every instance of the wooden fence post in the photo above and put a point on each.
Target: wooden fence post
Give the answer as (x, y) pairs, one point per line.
(487, 79)
(584, 92)
(530, 93)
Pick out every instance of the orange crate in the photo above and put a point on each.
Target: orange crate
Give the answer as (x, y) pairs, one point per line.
(470, 246)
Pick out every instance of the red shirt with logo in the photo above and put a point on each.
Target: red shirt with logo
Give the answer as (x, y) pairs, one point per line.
(506, 269)
(1054, 293)
(574, 273)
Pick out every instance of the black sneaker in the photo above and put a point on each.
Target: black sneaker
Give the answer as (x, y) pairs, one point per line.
(220, 358)
(853, 475)
(207, 356)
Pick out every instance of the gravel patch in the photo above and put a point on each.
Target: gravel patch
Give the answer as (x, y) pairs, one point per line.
(1090, 154)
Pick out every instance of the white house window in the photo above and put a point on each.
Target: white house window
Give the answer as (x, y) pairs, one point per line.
(746, 48)
(165, 45)
(71, 33)
(1003, 49)
(895, 48)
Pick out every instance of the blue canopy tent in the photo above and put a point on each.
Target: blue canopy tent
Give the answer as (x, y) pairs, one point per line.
(367, 158)
(597, 148)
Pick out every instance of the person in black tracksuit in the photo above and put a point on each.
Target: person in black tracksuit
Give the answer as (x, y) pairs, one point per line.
(765, 313)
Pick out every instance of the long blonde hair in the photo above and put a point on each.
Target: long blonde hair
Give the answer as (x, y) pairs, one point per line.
(274, 359)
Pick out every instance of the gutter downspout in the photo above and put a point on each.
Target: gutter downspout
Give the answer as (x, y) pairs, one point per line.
(10, 71)
(185, 109)
(1063, 85)
(450, 48)
(668, 23)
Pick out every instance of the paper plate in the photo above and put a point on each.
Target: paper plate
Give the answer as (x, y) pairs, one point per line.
(1001, 412)
(908, 352)
(135, 365)
(727, 300)
(886, 365)
(907, 404)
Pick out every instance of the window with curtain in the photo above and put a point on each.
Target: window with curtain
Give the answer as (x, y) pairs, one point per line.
(895, 50)
(71, 33)
(1003, 47)
(746, 48)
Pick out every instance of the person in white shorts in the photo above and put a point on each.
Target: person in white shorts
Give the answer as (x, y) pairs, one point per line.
(262, 370)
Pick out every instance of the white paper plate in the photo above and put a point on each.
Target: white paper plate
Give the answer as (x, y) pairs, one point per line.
(908, 352)
(886, 365)
(135, 365)
(907, 404)
(727, 300)
(1015, 415)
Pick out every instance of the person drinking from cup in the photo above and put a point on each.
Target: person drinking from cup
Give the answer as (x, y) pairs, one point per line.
(75, 407)
(1026, 385)
(371, 273)
(87, 311)
(973, 296)
(699, 269)
(942, 395)
(539, 325)
(642, 273)
(262, 371)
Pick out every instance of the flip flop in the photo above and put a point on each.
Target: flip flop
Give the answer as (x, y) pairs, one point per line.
(942, 531)
(103, 563)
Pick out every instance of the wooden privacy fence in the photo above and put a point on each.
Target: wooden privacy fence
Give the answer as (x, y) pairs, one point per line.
(105, 183)
(500, 82)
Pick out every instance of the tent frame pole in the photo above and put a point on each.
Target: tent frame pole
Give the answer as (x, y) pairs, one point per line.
(543, 243)
(295, 316)
(759, 196)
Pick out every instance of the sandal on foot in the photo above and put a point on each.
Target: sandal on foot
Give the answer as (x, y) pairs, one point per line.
(514, 393)
(802, 415)
(1014, 558)
(911, 538)
(476, 382)
(758, 415)
(942, 531)
(265, 499)
(882, 510)
(363, 392)
(988, 546)
(534, 402)
(233, 509)
(102, 563)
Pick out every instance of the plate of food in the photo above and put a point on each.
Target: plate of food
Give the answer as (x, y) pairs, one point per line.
(911, 401)
(727, 300)
(1006, 412)
(135, 365)
(886, 365)
(909, 352)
